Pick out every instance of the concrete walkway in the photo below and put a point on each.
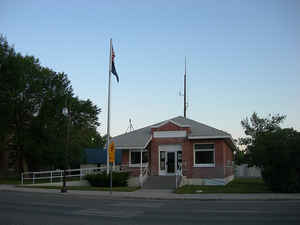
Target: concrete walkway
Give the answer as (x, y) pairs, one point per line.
(158, 194)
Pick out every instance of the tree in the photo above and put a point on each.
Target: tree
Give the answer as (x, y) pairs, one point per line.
(31, 121)
(254, 127)
(277, 153)
(273, 149)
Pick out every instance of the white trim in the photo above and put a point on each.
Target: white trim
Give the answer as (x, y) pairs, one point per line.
(168, 148)
(170, 121)
(215, 137)
(137, 164)
(204, 165)
(129, 148)
(204, 150)
(208, 137)
(169, 134)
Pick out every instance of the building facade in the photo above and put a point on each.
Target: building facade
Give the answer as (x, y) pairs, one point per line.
(202, 154)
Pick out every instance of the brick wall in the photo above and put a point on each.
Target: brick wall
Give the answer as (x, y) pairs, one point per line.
(229, 170)
(125, 156)
(223, 153)
(203, 172)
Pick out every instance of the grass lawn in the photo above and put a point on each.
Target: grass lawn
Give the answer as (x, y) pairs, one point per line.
(86, 188)
(239, 185)
(10, 180)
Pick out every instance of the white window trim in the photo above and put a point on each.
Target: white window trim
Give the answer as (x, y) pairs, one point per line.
(169, 134)
(204, 150)
(136, 164)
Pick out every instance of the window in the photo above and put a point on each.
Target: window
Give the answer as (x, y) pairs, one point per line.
(179, 159)
(135, 157)
(204, 155)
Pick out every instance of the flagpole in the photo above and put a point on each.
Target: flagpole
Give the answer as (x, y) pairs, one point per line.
(184, 106)
(108, 110)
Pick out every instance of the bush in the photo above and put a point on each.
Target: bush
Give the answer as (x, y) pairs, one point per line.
(119, 179)
(277, 153)
(281, 179)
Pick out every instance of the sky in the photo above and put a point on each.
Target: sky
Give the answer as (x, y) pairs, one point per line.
(242, 56)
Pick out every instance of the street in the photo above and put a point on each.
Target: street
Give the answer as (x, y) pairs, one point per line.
(21, 208)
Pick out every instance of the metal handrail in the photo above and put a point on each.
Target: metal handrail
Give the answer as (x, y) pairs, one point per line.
(53, 174)
(178, 175)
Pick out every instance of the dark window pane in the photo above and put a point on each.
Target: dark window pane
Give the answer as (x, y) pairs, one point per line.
(179, 156)
(135, 157)
(162, 160)
(204, 146)
(179, 159)
(204, 157)
(145, 157)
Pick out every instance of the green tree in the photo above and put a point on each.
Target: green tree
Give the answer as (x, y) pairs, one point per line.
(277, 153)
(32, 125)
(254, 127)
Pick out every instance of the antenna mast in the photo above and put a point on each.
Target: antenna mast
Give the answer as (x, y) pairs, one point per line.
(130, 127)
(184, 106)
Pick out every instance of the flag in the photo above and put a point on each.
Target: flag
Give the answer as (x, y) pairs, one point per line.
(113, 68)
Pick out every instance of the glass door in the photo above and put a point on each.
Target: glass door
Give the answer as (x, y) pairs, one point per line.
(171, 162)
(162, 163)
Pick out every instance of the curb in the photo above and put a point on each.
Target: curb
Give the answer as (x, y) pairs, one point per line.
(154, 196)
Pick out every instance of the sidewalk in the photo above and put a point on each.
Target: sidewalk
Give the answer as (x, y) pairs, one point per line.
(158, 194)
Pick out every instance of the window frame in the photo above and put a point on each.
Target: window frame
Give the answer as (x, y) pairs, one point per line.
(137, 164)
(204, 150)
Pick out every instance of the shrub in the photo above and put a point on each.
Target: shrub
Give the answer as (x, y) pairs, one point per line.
(278, 155)
(281, 179)
(119, 179)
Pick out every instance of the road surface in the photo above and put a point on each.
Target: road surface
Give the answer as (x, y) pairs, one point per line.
(22, 208)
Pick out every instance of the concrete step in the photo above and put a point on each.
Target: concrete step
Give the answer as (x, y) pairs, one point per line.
(160, 182)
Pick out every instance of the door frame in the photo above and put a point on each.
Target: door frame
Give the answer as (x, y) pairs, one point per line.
(166, 149)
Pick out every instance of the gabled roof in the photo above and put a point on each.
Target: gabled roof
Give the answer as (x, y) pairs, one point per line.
(169, 121)
(140, 138)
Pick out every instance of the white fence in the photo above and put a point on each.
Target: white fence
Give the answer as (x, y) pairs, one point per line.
(59, 174)
(55, 175)
(245, 171)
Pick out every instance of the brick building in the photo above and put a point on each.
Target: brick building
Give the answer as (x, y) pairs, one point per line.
(202, 153)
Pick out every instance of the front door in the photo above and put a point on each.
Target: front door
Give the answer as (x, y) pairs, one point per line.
(168, 158)
(170, 162)
(167, 162)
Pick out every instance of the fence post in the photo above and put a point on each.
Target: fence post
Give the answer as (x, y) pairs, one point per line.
(33, 178)
(51, 177)
(80, 174)
(22, 179)
(176, 179)
(61, 176)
